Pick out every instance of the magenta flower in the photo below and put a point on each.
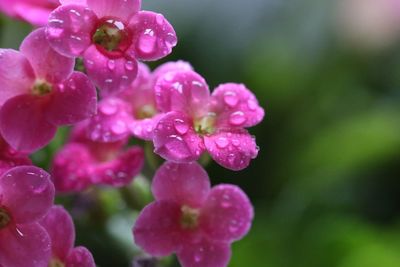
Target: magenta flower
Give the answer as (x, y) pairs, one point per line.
(10, 158)
(60, 227)
(196, 121)
(83, 162)
(191, 219)
(110, 35)
(35, 12)
(133, 111)
(26, 195)
(40, 91)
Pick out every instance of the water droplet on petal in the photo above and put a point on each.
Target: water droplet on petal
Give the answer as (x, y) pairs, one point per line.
(252, 104)
(222, 142)
(129, 65)
(181, 126)
(111, 64)
(237, 118)
(231, 99)
(160, 19)
(119, 127)
(147, 41)
(108, 109)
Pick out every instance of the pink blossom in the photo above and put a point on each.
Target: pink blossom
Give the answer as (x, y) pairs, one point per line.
(60, 227)
(189, 218)
(110, 35)
(35, 12)
(83, 162)
(10, 158)
(133, 111)
(40, 91)
(26, 195)
(196, 121)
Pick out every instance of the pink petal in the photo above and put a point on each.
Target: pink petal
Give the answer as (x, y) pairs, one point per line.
(33, 14)
(16, 74)
(232, 150)
(24, 245)
(80, 257)
(60, 227)
(70, 29)
(112, 121)
(184, 91)
(205, 254)
(78, 2)
(71, 169)
(27, 192)
(227, 214)
(185, 183)
(111, 75)
(157, 228)
(74, 100)
(120, 171)
(121, 9)
(153, 36)
(236, 106)
(144, 129)
(48, 64)
(23, 123)
(172, 66)
(175, 138)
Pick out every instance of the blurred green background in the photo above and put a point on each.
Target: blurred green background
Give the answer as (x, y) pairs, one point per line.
(326, 184)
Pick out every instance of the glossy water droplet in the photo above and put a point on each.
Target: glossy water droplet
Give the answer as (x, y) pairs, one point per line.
(237, 118)
(129, 65)
(181, 126)
(55, 32)
(222, 142)
(171, 39)
(119, 127)
(236, 142)
(111, 64)
(147, 41)
(231, 99)
(252, 104)
(160, 19)
(108, 109)
(178, 86)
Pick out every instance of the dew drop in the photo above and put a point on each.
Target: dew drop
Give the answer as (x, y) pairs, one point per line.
(231, 99)
(108, 109)
(160, 19)
(222, 142)
(147, 41)
(111, 64)
(237, 118)
(119, 127)
(181, 126)
(129, 65)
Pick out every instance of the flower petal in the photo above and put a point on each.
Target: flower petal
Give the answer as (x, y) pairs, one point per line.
(25, 245)
(227, 214)
(60, 227)
(80, 257)
(48, 64)
(121, 9)
(184, 91)
(232, 150)
(175, 138)
(33, 14)
(205, 254)
(23, 123)
(71, 170)
(236, 106)
(157, 229)
(172, 66)
(78, 2)
(27, 192)
(111, 75)
(16, 74)
(153, 36)
(70, 28)
(120, 171)
(144, 129)
(73, 101)
(183, 183)
(112, 121)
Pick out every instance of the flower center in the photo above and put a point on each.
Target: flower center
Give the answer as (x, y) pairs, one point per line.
(56, 263)
(4, 218)
(146, 111)
(205, 125)
(189, 219)
(41, 88)
(112, 37)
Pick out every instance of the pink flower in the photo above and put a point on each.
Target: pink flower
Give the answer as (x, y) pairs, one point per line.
(10, 158)
(35, 12)
(83, 162)
(60, 227)
(39, 92)
(133, 111)
(196, 121)
(26, 195)
(191, 219)
(110, 35)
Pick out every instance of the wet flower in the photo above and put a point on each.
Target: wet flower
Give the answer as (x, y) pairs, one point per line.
(110, 35)
(189, 218)
(196, 121)
(83, 162)
(10, 158)
(26, 195)
(40, 92)
(35, 12)
(133, 111)
(60, 228)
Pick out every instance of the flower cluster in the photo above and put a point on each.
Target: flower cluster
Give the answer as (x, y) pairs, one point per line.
(110, 100)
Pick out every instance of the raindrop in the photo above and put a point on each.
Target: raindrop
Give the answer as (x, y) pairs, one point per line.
(222, 142)
(147, 41)
(160, 19)
(237, 118)
(231, 99)
(181, 126)
(108, 109)
(111, 64)
(252, 104)
(129, 65)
